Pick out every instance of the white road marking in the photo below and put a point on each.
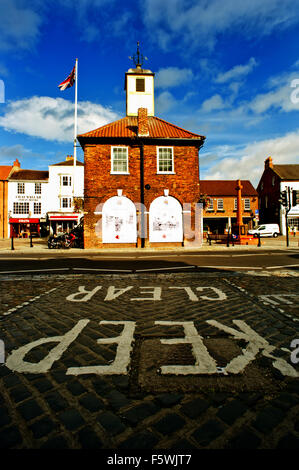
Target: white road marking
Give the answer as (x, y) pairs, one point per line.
(30, 301)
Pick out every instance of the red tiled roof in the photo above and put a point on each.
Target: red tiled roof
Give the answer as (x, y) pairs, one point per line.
(127, 127)
(4, 172)
(226, 188)
(33, 175)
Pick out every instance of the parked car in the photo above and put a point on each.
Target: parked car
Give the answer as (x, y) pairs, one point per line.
(265, 230)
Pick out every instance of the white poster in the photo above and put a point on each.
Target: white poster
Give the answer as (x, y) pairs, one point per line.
(165, 220)
(119, 221)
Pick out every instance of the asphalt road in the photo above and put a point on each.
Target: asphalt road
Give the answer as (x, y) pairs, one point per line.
(128, 262)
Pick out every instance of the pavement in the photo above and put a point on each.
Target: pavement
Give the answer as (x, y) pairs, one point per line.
(40, 246)
(173, 363)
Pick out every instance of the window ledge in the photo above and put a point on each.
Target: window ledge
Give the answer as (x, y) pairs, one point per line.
(118, 173)
(165, 173)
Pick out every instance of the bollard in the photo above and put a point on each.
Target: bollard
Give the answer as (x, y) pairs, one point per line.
(259, 237)
(11, 246)
(31, 245)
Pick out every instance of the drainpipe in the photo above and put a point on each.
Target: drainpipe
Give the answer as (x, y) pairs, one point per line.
(142, 194)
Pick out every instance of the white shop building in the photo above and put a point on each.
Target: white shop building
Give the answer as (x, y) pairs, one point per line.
(66, 192)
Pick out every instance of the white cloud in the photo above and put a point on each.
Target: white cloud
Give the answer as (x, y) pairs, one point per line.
(237, 72)
(164, 102)
(280, 97)
(248, 163)
(212, 104)
(53, 119)
(172, 77)
(19, 26)
(190, 22)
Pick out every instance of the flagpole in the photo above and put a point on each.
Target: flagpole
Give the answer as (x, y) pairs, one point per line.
(75, 124)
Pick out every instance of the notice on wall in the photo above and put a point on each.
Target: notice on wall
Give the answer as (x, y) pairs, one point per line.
(119, 221)
(165, 220)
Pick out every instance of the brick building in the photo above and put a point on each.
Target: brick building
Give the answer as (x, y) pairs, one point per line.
(274, 180)
(141, 182)
(221, 211)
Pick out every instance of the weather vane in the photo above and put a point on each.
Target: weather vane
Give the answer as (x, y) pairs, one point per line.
(138, 58)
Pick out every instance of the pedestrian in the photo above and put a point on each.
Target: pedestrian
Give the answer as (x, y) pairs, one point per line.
(294, 230)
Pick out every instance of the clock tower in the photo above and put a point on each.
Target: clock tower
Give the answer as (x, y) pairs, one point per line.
(139, 86)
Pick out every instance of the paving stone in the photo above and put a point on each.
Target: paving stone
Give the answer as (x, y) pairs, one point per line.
(245, 440)
(10, 437)
(183, 444)
(208, 432)
(4, 416)
(117, 400)
(268, 418)
(169, 399)
(76, 388)
(88, 439)
(111, 423)
(230, 412)
(56, 401)
(19, 393)
(121, 381)
(144, 440)
(290, 441)
(140, 412)
(195, 408)
(285, 401)
(11, 380)
(250, 398)
(60, 376)
(101, 387)
(91, 402)
(293, 386)
(219, 398)
(30, 409)
(169, 423)
(58, 442)
(71, 419)
(42, 427)
(43, 385)
(296, 426)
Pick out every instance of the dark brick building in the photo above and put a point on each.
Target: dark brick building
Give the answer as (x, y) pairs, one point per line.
(141, 182)
(274, 180)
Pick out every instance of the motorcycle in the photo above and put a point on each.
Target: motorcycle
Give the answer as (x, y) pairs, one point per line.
(56, 241)
(65, 240)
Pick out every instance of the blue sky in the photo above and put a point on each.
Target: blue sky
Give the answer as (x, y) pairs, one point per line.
(226, 69)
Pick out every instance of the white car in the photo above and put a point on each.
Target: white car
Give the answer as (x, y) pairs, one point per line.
(265, 230)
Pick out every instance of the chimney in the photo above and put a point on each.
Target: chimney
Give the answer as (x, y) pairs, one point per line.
(16, 165)
(69, 157)
(268, 163)
(142, 122)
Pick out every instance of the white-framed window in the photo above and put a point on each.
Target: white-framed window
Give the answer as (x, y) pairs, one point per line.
(235, 204)
(65, 180)
(210, 207)
(66, 202)
(165, 163)
(119, 160)
(273, 180)
(21, 188)
(37, 208)
(220, 206)
(247, 204)
(21, 208)
(37, 188)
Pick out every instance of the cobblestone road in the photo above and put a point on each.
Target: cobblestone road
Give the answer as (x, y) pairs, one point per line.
(111, 368)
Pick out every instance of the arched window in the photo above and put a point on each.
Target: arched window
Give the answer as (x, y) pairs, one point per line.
(119, 221)
(165, 220)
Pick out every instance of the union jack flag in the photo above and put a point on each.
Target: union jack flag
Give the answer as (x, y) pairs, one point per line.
(69, 81)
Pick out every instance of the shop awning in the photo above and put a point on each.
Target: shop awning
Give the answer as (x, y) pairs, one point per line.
(23, 221)
(63, 217)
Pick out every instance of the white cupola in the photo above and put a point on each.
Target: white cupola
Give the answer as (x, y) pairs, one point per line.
(139, 86)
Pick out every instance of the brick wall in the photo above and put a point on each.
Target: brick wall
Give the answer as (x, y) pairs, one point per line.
(3, 209)
(100, 184)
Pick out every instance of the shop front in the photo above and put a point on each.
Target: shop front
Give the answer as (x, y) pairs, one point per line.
(59, 223)
(24, 227)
